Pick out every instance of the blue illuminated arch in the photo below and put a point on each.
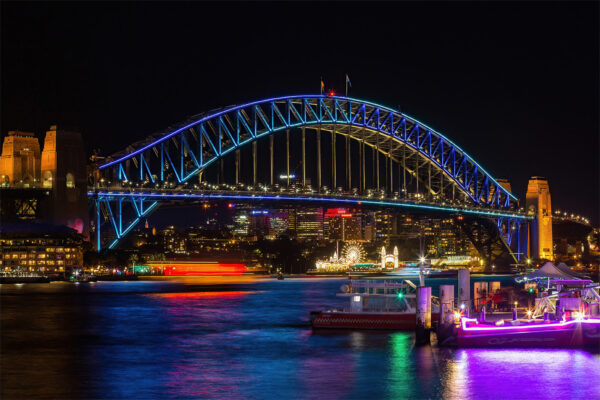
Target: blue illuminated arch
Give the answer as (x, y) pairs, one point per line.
(223, 131)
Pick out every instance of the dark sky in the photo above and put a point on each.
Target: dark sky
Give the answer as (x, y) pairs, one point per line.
(514, 84)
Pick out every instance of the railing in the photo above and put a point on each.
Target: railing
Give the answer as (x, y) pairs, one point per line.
(298, 193)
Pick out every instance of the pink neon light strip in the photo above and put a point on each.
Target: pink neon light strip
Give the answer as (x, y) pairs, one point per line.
(520, 327)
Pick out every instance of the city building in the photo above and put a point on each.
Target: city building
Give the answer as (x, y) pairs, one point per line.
(280, 222)
(40, 248)
(241, 224)
(384, 224)
(309, 223)
(342, 224)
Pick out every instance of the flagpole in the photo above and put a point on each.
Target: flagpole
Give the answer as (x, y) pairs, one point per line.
(346, 80)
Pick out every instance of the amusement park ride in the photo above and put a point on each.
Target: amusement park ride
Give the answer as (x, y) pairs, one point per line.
(390, 160)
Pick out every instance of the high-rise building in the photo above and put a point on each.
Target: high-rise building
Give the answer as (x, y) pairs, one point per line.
(538, 204)
(368, 222)
(384, 224)
(309, 223)
(279, 223)
(241, 224)
(342, 224)
(20, 160)
(259, 224)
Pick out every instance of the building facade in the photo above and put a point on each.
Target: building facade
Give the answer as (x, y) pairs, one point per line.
(40, 248)
(539, 205)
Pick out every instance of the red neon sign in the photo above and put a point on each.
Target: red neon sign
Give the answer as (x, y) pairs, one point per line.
(338, 212)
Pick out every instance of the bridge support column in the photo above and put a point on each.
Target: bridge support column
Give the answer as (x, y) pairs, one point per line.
(271, 145)
(404, 170)
(391, 175)
(287, 155)
(222, 171)
(417, 172)
(319, 158)
(303, 156)
(348, 165)
(429, 179)
(237, 166)
(377, 162)
(361, 164)
(98, 211)
(254, 164)
(333, 161)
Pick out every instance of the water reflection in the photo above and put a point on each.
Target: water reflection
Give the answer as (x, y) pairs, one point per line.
(246, 340)
(530, 373)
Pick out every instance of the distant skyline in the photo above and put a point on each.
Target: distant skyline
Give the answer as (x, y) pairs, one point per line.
(514, 84)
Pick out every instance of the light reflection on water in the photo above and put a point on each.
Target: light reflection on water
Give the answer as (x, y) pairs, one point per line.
(246, 339)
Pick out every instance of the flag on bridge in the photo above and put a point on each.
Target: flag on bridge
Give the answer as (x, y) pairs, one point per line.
(322, 86)
(348, 83)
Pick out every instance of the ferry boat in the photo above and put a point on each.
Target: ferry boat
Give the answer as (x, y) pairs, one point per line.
(582, 331)
(374, 304)
(571, 318)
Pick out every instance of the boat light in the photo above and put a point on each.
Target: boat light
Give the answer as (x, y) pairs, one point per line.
(462, 306)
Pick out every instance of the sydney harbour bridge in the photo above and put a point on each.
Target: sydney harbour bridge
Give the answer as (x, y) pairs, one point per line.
(332, 150)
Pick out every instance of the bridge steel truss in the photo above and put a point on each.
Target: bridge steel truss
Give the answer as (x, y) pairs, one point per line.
(429, 164)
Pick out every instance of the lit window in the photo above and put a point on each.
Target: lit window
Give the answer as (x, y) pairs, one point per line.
(47, 179)
(70, 180)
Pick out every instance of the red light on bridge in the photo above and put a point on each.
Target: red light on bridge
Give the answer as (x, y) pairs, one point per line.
(230, 205)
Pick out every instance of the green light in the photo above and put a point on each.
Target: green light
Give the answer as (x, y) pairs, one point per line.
(530, 290)
(400, 295)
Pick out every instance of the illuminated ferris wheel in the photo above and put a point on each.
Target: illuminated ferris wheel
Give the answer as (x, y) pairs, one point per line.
(353, 253)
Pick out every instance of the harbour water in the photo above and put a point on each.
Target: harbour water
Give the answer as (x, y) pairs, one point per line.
(246, 340)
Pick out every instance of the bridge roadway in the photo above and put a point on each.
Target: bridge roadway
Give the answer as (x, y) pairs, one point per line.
(301, 195)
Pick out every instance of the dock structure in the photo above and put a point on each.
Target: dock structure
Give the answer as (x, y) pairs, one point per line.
(464, 290)
(423, 328)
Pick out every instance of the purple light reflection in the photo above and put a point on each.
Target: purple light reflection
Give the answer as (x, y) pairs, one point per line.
(501, 373)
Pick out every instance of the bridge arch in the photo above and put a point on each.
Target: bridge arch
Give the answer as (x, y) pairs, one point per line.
(188, 149)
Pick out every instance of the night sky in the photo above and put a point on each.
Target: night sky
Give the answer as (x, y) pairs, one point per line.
(515, 85)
